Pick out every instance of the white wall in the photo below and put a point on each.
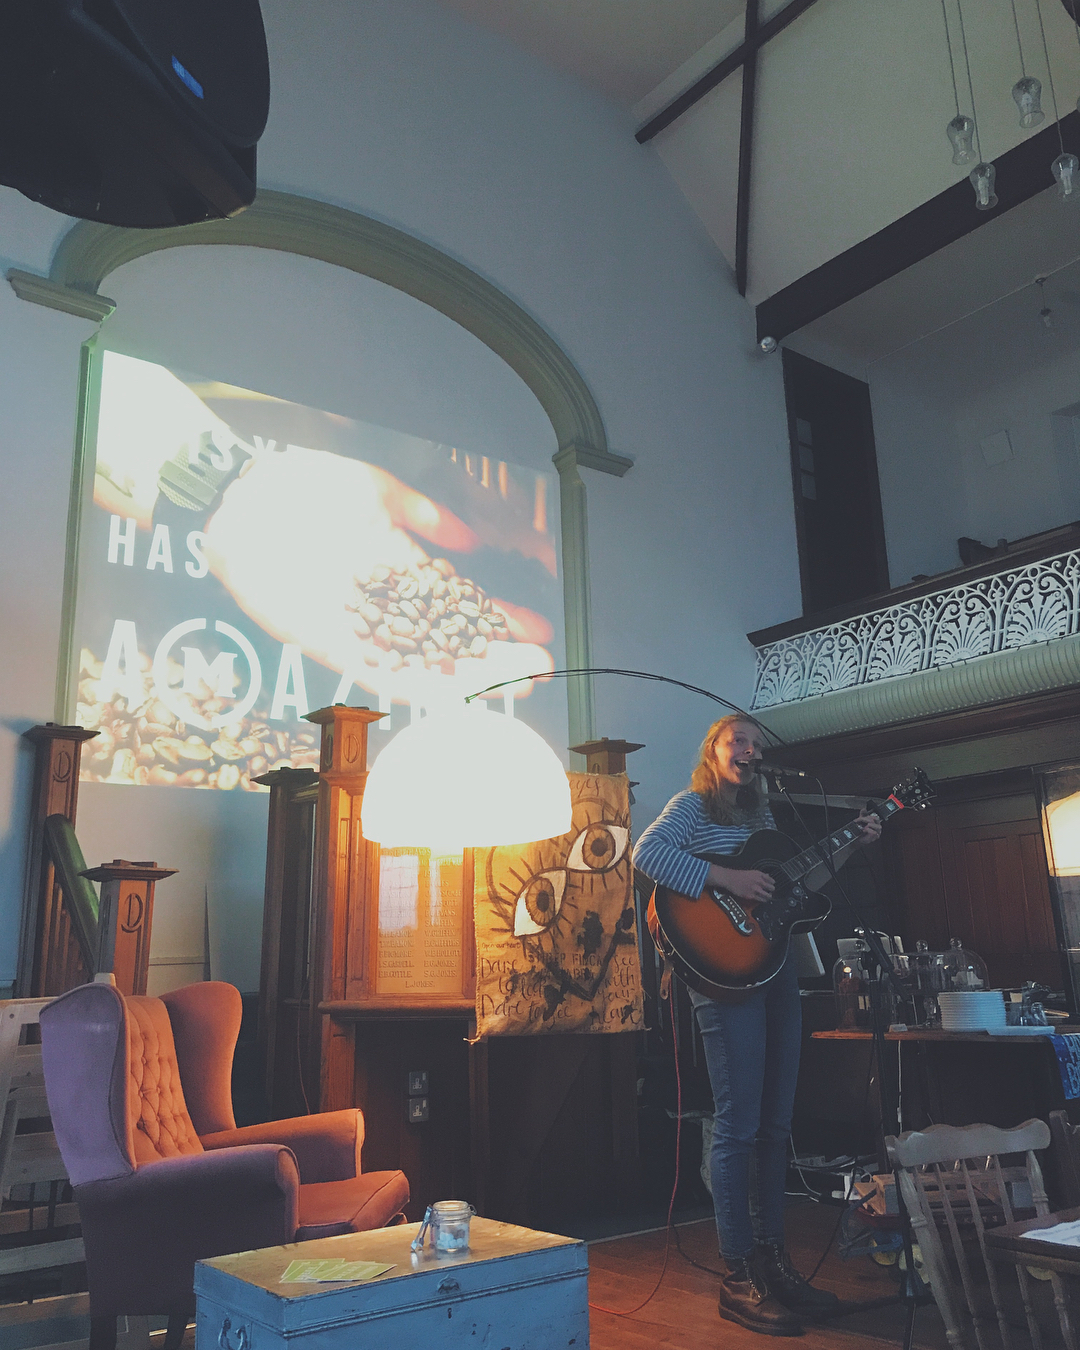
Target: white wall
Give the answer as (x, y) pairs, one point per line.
(935, 402)
(39, 376)
(402, 111)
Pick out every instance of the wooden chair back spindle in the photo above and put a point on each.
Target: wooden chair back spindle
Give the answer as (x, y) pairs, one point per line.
(953, 1182)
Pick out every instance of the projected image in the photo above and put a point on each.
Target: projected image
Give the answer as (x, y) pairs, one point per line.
(246, 559)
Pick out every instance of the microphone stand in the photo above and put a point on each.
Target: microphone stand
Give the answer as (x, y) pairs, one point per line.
(913, 1291)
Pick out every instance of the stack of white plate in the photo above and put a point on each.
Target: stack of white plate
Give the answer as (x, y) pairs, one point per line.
(972, 1010)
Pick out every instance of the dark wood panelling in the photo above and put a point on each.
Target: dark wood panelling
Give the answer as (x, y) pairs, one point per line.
(563, 1127)
(435, 1155)
(918, 891)
(977, 871)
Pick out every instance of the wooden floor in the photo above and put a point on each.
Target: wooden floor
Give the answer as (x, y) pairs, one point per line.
(683, 1315)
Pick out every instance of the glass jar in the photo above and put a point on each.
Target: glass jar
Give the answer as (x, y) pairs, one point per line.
(905, 990)
(450, 1225)
(928, 975)
(962, 968)
(851, 988)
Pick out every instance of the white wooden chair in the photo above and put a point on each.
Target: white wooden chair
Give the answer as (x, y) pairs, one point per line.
(32, 1160)
(953, 1182)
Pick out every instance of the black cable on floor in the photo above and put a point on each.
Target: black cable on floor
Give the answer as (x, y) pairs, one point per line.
(851, 1184)
(710, 1270)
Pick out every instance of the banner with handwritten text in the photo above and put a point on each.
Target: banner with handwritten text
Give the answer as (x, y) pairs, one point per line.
(556, 929)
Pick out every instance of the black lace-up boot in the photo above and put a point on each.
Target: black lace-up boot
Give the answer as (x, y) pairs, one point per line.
(744, 1298)
(772, 1266)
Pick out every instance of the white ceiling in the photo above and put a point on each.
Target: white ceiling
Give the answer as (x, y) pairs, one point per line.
(641, 53)
(1039, 237)
(623, 48)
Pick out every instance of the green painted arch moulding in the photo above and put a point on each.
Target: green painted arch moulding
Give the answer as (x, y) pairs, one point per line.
(288, 223)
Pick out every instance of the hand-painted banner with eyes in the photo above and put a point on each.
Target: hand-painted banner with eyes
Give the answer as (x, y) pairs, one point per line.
(556, 928)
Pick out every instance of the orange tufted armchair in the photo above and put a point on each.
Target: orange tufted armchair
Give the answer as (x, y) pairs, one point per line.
(139, 1092)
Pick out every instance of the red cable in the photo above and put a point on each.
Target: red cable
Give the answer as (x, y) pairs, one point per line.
(615, 1312)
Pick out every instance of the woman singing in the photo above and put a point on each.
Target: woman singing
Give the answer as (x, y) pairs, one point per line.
(751, 1043)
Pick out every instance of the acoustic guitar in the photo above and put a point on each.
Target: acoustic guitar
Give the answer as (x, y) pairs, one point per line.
(718, 944)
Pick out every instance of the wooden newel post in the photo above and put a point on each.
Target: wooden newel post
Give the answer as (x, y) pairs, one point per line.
(605, 756)
(341, 870)
(50, 960)
(286, 922)
(125, 915)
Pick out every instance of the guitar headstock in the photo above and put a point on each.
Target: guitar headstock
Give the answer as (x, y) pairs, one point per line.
(916, 792)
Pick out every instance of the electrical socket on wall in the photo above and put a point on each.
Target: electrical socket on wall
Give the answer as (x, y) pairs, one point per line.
(418, 1110)
(418, 1082)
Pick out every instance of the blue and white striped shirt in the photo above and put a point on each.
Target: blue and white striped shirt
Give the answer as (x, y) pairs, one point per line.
(665, 852)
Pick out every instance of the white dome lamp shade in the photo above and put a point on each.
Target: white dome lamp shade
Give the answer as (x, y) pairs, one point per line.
(1063, 825)
(467, 778)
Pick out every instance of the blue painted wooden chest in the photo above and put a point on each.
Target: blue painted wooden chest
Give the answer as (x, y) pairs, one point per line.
(514, 1289)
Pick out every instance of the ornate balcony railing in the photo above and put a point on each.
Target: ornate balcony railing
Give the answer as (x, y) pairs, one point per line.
(1035, 603)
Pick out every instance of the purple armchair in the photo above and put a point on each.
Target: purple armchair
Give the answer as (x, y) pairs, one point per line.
(139, 1092)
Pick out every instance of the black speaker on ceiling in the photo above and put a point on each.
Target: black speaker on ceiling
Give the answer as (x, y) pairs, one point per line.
(133, 112)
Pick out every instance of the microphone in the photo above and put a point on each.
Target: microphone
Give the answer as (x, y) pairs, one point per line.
(778, 771)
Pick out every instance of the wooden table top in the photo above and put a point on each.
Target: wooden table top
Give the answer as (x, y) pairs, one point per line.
(932, 1034)
(1012, 1241)
(489, 1240)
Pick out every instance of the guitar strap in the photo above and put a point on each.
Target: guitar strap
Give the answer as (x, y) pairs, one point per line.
(665, 979)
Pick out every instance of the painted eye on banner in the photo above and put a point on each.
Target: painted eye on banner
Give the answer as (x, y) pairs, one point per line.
(538, 902)
(598, 848)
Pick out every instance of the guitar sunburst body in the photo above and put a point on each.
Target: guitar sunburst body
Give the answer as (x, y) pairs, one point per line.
(720, 945)
(717, 943)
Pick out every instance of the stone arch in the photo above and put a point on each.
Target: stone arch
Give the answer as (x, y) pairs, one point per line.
(90, 252)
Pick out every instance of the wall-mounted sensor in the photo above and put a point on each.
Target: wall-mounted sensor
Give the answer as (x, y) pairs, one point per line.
(768, 345)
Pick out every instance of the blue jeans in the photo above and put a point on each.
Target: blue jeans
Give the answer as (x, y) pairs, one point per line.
(752, 1052)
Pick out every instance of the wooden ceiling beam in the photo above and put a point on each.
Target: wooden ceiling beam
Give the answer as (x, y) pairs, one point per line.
(745, 51)
(1022, 172)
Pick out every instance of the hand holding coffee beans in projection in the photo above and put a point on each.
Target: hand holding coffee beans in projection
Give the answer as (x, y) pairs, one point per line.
(311, 545)
(232, 578)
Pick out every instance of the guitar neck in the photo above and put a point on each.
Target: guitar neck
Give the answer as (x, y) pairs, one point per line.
(814, 856)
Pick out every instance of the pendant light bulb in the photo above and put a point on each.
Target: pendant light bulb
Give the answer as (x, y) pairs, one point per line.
(960, 132)
(982, 180)
(1028, 95)
(1066, 170)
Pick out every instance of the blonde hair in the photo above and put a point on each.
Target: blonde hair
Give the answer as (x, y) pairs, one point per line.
(750, 801)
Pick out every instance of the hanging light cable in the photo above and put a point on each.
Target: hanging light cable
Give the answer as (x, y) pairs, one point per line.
(961, 129)
(1046, 314)
(982, 175)
(1065, 167)
(1074, 11)
(1027, 91)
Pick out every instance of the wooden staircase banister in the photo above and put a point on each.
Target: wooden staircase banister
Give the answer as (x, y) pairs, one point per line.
(80, 898)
